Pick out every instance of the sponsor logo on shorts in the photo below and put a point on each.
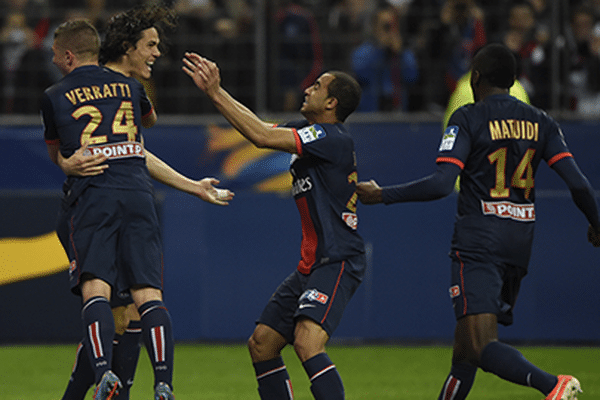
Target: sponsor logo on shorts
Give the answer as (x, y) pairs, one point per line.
(118, 150)
(350, 219)
(311, 133)
(454, 291)
(449, 138)
(506, 209)
(314, 295)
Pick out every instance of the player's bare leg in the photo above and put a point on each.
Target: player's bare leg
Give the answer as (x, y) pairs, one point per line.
(309, 343)
(309, 339)
(265, 343)
(472, 334)
(265, 347)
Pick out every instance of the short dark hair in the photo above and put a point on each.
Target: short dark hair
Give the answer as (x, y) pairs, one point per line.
(496, 64)
(347, 91)
(125, 29)
(78, 36)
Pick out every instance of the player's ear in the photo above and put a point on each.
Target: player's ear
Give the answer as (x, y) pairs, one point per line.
(475, 78)
(331, 103)
(69, 57)
(127, 47)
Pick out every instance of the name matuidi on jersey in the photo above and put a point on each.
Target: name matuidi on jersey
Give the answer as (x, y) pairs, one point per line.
(514, 129)
(89, 93)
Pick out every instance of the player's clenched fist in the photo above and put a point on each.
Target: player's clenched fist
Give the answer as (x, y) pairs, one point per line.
(369, 192)
(593, 236)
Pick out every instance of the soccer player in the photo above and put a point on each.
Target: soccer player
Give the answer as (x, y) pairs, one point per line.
(109, 224)
(307, 307)
(496, 145)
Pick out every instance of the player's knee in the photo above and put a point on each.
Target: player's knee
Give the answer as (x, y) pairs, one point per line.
(306, 348)
(309, 341)
(252, 344)
(469, 351)
(265, 343)
(257, 345)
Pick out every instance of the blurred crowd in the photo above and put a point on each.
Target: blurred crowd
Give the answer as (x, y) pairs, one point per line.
(408, 55)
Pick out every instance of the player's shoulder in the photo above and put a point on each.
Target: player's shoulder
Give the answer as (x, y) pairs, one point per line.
(534, 114)
(112, 75)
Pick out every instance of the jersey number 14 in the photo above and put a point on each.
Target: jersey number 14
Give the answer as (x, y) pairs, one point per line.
(522, 177)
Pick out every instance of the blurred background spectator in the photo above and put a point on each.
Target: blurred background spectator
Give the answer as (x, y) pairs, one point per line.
(583, 74)
(384, 65)
(298, 53)
(270, 50)
(530, 43)
(348, 24)
(23, 27)
(454, 40)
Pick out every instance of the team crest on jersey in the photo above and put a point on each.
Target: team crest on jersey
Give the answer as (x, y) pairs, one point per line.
(311, 133)
(350, 219)
(314, 295)
(449, 138)
(454, 291)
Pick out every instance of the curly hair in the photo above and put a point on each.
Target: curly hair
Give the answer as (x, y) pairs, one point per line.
(125, 29)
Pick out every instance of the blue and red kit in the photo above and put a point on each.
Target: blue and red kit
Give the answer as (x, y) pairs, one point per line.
(108, 221)
(324, 188)
(499, 143)
(496, 145)
(332, 262)
(104, 108)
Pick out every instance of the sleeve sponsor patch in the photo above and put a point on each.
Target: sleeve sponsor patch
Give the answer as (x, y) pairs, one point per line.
(311, 133)
(449, 138)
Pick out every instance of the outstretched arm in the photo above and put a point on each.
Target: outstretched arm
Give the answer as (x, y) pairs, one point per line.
(582, 194)
(204, 188)
(205, 75)
(435, 186)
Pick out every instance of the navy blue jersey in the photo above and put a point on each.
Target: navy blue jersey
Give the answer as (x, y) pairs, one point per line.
(499, 144)
(324, 188)
(104, 108)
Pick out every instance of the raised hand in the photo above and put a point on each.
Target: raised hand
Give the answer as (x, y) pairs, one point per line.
(203, 72)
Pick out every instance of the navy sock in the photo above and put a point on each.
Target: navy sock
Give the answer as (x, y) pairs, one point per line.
(99, 332)
(157, 332)
(326, 383)
(273, 380)
(125, 356)
(459, 382)
(509, 364)
(82, 376)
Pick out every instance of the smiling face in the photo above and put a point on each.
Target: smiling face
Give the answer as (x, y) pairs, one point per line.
(140, 59)
(316, 97)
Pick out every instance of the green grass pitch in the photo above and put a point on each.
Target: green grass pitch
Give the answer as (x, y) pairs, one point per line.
(223, 371)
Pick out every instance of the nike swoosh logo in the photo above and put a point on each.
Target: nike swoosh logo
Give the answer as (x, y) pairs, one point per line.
(305, 306)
